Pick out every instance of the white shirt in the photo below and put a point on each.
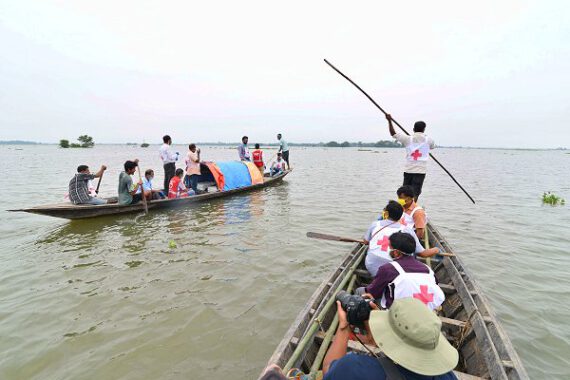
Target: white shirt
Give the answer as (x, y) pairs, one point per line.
(166, 154)
(415, 166)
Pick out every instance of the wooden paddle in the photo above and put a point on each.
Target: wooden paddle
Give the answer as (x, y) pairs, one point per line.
(398, 124)
(316, 235)
(99, 183)
(142, 190)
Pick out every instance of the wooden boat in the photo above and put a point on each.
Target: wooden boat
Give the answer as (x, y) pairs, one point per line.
(468, 322)
(71, 211)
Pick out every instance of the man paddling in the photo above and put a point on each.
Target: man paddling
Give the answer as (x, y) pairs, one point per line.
(79, 188)
(128, 193)
(417, 153)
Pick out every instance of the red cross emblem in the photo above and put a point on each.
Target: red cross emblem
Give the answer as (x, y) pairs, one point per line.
(384, 243)
(416, 154)
(403, 222)
(423, 295)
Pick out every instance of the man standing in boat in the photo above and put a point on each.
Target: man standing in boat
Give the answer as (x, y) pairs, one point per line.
(284, 148)
(243, 150)
(417, 153)
(169, 159)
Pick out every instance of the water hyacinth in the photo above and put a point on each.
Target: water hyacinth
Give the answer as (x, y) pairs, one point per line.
(552, 199)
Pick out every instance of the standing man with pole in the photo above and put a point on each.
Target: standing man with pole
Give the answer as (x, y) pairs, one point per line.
(284, 149)
(169, 159)
(417, 152)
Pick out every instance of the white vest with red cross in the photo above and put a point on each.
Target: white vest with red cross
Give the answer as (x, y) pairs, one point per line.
(379, 246)
(408, 219)
(418, 151)
(415, 285)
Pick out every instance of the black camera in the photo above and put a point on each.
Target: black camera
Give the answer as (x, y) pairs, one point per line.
(357, 308)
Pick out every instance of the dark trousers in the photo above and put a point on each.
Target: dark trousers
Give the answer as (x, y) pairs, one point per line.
(169, 171)
(191, 181)
(136, 198)
(416, 181)
(285, 156)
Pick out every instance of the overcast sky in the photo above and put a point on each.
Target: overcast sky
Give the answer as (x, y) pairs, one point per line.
(485, 73)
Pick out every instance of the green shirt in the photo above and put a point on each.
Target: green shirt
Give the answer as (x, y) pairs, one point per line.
(125, 183)
(283, 145)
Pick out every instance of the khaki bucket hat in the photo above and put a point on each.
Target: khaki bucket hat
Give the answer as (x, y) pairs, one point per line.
(410, 334)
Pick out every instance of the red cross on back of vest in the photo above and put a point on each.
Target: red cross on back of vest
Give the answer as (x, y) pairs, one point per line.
(416, 154)
(384, 243)
(423, 295)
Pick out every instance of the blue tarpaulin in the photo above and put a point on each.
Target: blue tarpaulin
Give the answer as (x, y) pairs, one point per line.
(235, 173)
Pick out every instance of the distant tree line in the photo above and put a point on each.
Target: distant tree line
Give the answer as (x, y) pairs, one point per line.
(360, 144)
(85, 141)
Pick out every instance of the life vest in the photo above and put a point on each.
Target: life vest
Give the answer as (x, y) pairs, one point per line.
(379, 246)
(408, 219)
(174, 187)
(258, 158)
(415, 285)
(417, 151)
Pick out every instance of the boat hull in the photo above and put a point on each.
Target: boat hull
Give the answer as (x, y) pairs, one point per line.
(71, 211)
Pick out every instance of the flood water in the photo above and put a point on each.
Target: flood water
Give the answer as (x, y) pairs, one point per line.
(112, 298)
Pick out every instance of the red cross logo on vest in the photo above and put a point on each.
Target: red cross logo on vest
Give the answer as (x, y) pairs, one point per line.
(423, 295)
(384, 243)
(416, 154)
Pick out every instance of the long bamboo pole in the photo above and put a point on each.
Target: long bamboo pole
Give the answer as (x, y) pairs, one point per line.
(315, 324)
(398, 124)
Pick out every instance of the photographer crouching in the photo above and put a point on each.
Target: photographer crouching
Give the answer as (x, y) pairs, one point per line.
(409, 334)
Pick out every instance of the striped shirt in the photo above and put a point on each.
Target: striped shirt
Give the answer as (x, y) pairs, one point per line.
(79, 189)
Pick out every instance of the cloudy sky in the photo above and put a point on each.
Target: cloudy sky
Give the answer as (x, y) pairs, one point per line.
(485, 73)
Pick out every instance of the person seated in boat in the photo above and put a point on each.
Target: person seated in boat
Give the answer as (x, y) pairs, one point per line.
(129, 193)
(278, 165)
(176, 187)
(192, 168)
(149, 192)
(377, 238)
(404, 277)
(409, 334)
(79, 186)
(243, 150)
(414, 216)
(257, 156)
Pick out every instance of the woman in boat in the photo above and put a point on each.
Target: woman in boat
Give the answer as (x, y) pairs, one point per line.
(404, 277)
(176, 188)
(409, 334)
(378, 236)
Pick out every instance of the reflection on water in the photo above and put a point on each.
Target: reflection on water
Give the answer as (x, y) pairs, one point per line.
(114, 298)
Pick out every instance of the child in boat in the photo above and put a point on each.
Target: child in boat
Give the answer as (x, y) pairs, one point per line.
(278, 166)
(176, 187)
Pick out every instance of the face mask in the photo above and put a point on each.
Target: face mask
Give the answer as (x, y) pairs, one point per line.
(401, 201)
(385, 215)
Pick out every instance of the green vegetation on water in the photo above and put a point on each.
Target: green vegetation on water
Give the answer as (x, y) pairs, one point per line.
(85, 142)
(552, 199)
